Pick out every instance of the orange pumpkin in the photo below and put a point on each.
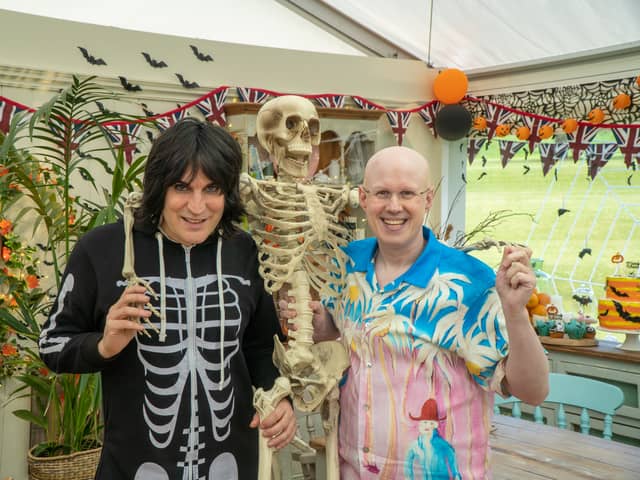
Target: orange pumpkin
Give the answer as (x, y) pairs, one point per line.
(523, 133)
(552, 310)
(503, 130)
(622, 101)
(570, 125)
(617, 258)
(638, 80)
(596, 115)
(450, 86)
(545, 132)
(480, 123)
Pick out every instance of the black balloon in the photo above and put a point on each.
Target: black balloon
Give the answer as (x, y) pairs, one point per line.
(453, 122)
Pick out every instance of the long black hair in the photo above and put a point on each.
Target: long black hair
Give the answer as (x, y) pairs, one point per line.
(193, 145)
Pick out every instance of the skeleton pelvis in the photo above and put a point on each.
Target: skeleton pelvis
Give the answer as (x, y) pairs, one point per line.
(312, 384)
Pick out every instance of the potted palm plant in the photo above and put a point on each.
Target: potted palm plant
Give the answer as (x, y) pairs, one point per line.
(52, 164)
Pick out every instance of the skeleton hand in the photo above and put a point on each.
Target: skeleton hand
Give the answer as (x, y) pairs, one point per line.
(119, 327)
(280, 427)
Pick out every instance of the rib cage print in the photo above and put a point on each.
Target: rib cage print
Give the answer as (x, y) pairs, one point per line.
(187, 365)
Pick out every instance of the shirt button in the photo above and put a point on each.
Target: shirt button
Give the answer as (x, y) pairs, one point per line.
(365, 449)
(369, 365)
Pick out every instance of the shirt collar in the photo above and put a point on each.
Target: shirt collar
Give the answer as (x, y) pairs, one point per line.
(362, 252)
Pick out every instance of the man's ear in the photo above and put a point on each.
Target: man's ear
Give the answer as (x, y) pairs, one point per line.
(428, 199)
(362, 196)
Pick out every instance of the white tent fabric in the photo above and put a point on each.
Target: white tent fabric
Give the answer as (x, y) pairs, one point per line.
(466, 34)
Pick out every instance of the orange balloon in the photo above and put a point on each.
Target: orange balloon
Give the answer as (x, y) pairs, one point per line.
(450, 86)
(545, 132)
(570, 125)
(523, 133)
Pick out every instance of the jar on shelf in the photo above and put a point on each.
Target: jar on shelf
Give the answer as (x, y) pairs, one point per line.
(584, 298)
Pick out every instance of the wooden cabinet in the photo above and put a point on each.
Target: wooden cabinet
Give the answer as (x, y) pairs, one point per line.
(607, 363)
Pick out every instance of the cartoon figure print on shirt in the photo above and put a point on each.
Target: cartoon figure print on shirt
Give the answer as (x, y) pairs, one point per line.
(430, 455)
(194, 343)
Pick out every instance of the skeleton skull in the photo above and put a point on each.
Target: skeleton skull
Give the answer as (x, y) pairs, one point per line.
(288, 127)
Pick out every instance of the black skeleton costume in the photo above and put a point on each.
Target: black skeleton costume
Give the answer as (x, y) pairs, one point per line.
(170, 410)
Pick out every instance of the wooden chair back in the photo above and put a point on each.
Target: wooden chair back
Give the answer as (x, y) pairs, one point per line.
(584, 393)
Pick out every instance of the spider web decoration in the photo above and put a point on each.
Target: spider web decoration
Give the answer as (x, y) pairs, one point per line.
(572, 216)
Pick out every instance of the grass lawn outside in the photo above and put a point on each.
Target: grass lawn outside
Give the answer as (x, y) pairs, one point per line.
(574, 224)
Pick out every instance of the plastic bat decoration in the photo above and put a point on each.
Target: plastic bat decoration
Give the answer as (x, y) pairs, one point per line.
(90, 58)
(562, 211)
(146, 111)
(186, 83)
(154, 63)
(584, 252)
(201, 56)
(625, 315)
(129, 86)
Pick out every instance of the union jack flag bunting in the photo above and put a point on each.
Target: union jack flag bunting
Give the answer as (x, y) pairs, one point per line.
(428, 114)
(331, 101)
(365, 104)
(496, 115)
(7, 111)
(628, 139)
(473, 147)
(212, 107)
(399, 123)
(170, 119)
(124, 137)
(550, 154)
(508, 149)
(580, 139)
(534, 124)
(252, 95)
(598, 154)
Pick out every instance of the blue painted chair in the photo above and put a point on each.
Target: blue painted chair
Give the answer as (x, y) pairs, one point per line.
(576, 391)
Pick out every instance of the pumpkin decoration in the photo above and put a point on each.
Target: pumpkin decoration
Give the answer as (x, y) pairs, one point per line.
(523, 133)
(596, 116)
(552, 310)
(545, 132)
(617, 258)
(450, 86)
(503, 130)
(480, 123)
(638, 80)
(570, 125)
(621, 101)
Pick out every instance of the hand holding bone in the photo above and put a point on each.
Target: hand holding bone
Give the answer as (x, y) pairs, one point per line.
(120, 326)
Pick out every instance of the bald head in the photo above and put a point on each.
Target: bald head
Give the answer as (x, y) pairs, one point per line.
(399, 161)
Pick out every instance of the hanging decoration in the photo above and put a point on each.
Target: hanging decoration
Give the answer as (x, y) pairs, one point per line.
(428, 114)
(550, 154)
(212, 106)
(123, 137)
(579, 110)
(508, 149)
(473, 147)
(453, 122)
(598, 154)
(399, 121)
(450, 86)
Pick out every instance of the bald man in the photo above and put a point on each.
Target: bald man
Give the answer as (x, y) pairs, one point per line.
(422, 321)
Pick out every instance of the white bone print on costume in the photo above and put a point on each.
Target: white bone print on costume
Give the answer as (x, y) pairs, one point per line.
(186, 366)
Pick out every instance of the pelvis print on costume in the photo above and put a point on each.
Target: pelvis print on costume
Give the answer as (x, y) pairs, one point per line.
(187, 366)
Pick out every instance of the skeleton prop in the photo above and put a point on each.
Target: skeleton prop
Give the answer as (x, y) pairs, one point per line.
(132, 203)
(298, 233)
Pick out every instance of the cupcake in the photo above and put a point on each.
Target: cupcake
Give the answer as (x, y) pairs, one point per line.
(590, 333)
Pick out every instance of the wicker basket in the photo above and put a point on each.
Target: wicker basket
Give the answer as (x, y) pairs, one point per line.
(76, 466)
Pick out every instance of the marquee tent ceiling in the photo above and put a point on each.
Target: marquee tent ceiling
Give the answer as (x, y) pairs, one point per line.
(473, 35)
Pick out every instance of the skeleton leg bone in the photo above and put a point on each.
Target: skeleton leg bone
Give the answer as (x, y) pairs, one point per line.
(265, 403)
